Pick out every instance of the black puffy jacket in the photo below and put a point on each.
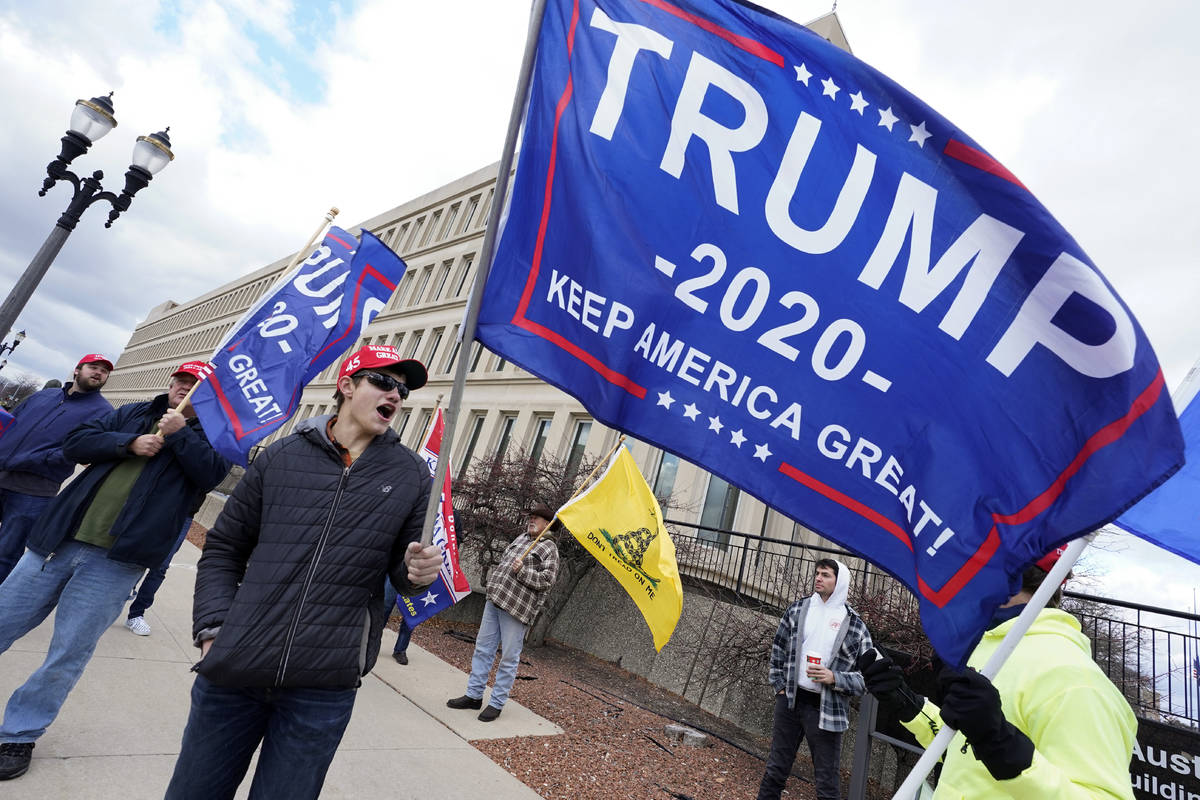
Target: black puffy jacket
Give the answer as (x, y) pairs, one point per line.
(293, 569)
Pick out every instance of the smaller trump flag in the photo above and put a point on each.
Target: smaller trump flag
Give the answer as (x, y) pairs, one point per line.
(451, 585)
(6, 419)
(311, 316)
(618, 520)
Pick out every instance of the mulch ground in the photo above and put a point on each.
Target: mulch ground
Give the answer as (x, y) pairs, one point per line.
(613, 745)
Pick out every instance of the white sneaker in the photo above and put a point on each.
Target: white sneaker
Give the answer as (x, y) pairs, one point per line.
(138, 625)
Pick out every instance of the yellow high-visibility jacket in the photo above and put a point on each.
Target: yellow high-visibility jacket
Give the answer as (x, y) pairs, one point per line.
(1081, 727)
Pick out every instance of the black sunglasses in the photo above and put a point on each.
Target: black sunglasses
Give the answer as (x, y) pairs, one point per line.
(385, 382)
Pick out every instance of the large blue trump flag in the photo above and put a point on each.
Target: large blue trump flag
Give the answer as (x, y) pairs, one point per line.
(736, 241)
(304, 324)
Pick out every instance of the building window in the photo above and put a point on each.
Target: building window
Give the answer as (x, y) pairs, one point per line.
(500, 362)
(403, 422)
(541, 433)
(477, 354)
(415, 344)
(664, 479)
(583, 429)
(472, 207)
(472, 441)
(433, 223)
(720, 509)
(419, 292)
(463, 280)
(507, 423)
(453, 355)
(435, 341)
(440, 283)
(422, 427)
(415, 231)
(448, 227)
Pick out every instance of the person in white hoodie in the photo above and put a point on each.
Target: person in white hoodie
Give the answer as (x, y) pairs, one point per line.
(813, 672)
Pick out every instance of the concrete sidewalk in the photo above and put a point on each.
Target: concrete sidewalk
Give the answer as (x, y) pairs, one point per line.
(118, 734)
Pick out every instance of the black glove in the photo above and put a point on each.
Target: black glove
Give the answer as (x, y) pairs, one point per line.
(885, 680)
(971, 704)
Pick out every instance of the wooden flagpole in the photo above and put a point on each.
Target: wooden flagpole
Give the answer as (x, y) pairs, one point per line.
(467, 329)
(301, 253)
(586, 481)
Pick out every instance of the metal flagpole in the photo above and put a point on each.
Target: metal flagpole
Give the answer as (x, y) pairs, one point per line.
(467, 330)
(933, 753)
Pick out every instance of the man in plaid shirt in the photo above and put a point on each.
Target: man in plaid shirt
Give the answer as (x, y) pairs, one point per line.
(813, 672)
(516, 589)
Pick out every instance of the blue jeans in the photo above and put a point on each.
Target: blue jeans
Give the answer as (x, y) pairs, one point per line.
(89, 589)
(404, 635)
(497, 628)
(156, 576)
(18, 513)
(299, 729)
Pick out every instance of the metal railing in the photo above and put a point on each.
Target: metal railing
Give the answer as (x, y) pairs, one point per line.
(1149, 653)
(1154, 662)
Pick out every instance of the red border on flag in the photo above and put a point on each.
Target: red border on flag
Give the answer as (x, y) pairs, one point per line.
(1107, 435)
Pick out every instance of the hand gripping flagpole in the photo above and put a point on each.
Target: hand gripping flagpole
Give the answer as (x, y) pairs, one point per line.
(467, 330)
(301, 253)
(1058, 574)
(602, 462)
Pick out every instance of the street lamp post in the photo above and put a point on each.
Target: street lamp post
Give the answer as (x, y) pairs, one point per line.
(5, 347)
(90, 120)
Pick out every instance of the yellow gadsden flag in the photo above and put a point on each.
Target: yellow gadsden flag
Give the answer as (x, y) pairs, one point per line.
(619, 521)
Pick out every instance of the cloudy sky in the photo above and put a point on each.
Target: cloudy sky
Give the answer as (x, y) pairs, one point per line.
(280, 109)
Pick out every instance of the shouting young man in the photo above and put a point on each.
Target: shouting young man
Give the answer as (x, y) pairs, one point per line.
(289, 605)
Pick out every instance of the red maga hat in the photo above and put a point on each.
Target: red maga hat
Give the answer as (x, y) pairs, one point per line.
(94, 358)
(379, 355)
(197, 369)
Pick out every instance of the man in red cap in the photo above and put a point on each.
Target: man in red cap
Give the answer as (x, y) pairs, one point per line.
(32, 464)
(1050, 724)
(289, 605)
(149, 464)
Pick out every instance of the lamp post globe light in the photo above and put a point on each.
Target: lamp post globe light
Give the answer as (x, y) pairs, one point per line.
(90, 120)
(5, 347)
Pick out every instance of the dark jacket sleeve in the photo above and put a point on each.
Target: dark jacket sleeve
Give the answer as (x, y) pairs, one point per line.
(57, 462)
(410, 532)
(103, 438)
(202, 465)
(227, 548)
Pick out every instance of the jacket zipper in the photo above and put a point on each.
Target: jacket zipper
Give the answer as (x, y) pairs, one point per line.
(312, 569)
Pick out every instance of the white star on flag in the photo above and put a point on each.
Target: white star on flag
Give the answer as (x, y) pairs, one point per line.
(831, 89)
(691, 412)
(665, 399)
(887, 119)
(761, 451)
(802, 74)
(736, 438)
(714, 424)
(919, 134)
(857, 103)
(429, 598)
